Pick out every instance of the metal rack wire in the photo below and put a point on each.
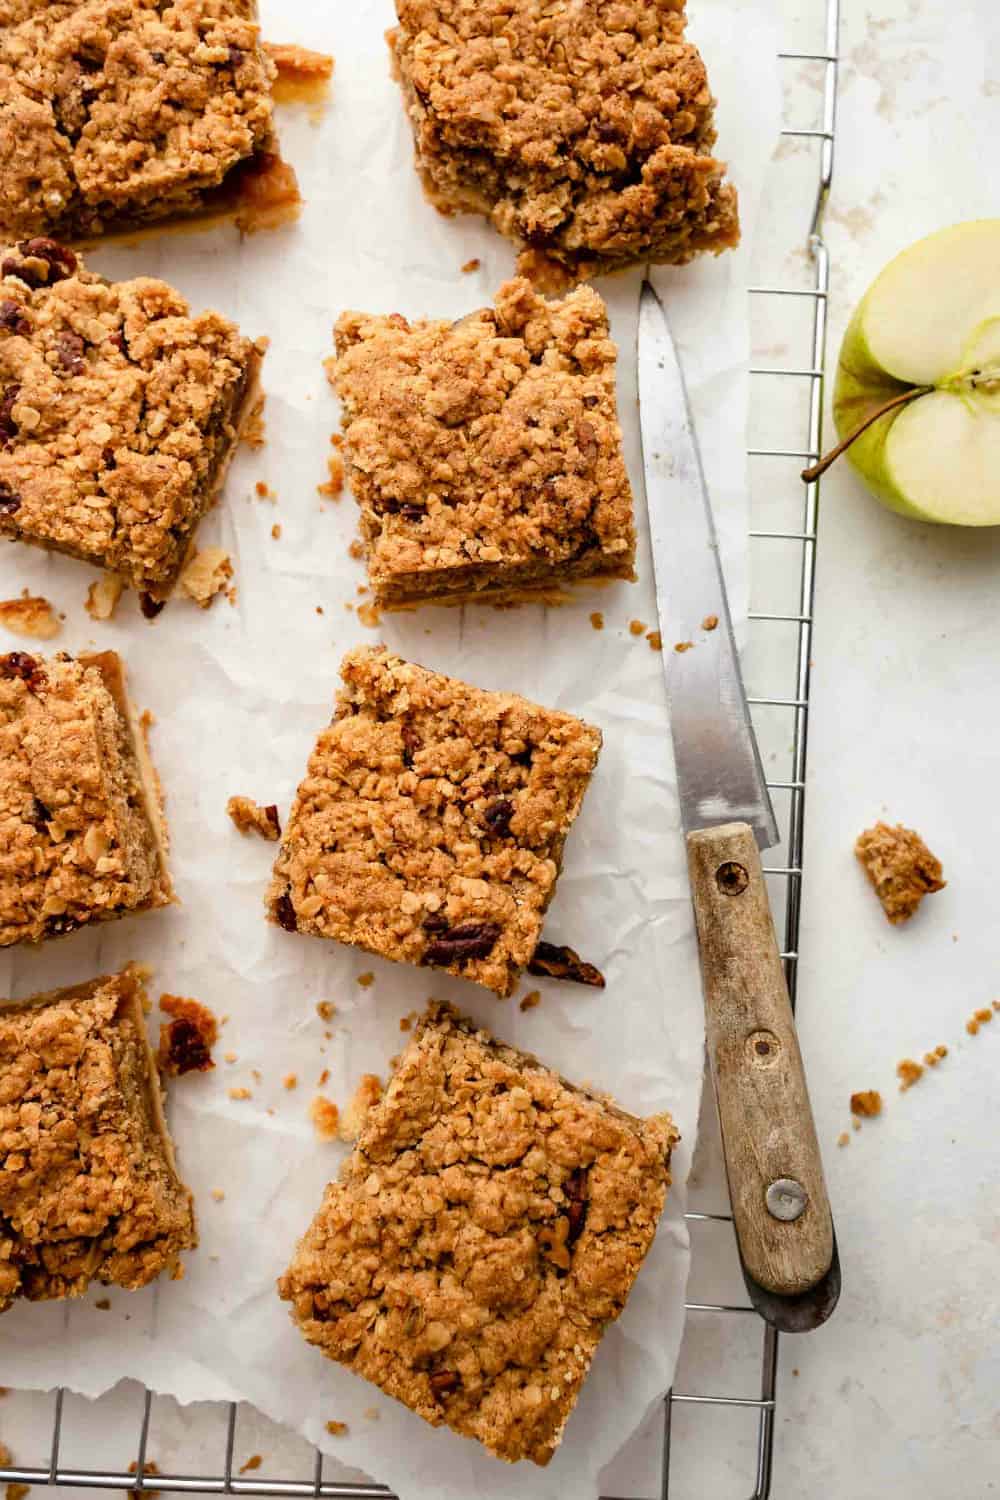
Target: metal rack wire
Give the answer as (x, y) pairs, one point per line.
(802, 540)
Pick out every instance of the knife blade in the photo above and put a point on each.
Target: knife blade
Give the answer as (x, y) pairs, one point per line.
(781, 1211)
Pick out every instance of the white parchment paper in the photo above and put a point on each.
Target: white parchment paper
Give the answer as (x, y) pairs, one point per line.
(239, 694)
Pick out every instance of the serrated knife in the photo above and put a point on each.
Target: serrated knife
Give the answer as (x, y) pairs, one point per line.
(781, 1211)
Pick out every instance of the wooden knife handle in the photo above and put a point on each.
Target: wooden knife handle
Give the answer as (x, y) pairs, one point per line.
(767, 1126)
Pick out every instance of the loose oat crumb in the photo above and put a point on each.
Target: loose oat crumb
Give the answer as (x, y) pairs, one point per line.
(366, 980)
(637, 627)
(103, 1304)
(366, 1096)
(186, 1041)
(257, 1075)
(843, 1138)
(218, 1195)
(264, 491)
(900, 867)
(680, 646)
(230, 1057)
(103, 596)
(908, 1072)
(531, 999)
(206, 575)
(248, 816)
(276, 532)
(253, 1462)
(325, 1117)
(372, 1413)
(31, 616)
(984, 1015)
(597, 620)
(336, 1429)
(867, 1103)
(471, 265)
(932, 1059)
(369, 615)
(323, 1078)
(326, 1010)
(655, 640)
(711, 622)
(334, 486)
(855, 1123)
(356, 550)
(290, 1081)
(240, 1093)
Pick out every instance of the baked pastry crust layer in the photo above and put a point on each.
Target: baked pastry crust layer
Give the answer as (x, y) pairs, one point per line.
(486, 455)
(89, 1189)
(431, 822)
(487, 1227)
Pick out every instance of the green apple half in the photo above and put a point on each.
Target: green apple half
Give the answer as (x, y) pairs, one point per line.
(923, 348)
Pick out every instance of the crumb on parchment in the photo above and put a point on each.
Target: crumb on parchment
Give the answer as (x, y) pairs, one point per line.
(637, 627)
(681, 646)
(336, 1429)
(655, 640)
(103, 596)
(530, 1000)
(908, 1072)
(365, 1097)
(597, 620)
(249, 816)
(205, 575)
(710, 622)
(325, 1117)
(867, 1103)
(31, 615)
(843, 1138)
(326, 1010)
(931, 1059)
(186, 1041)
(977, 1019)
(290, 1081)
(900, 867)
(471, 265)
(240, 1093)
(366, 980)
(253, 1462)
(218, 1195)
(334, 486)
(276, 532)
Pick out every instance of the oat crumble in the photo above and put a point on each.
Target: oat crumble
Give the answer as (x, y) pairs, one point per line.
(486, 1228)
(431, 823)
(485, 455)
(900, 867)
(249, 816)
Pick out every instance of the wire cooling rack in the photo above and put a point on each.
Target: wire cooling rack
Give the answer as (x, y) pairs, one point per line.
(784, 517)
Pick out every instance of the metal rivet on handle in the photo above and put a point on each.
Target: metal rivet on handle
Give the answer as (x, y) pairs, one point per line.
(786, 1199)
(731, 878)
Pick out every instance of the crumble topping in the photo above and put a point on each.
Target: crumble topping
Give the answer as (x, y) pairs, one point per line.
(488, 1225)
(88, 1186)
(900, 867)
(485, 455)
(583, 131)
(430, 826)
(119, 412)
(81, 837)
(119, 112)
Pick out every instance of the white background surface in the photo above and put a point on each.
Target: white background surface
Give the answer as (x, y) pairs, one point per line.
(898, 1394)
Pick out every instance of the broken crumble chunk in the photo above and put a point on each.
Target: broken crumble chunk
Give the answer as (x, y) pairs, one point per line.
(479, 790)
(30, 616)
(186, 1041)
(900, 867)
(486, 1228)
(867, 1103)
(249, 816)
(89, 1189)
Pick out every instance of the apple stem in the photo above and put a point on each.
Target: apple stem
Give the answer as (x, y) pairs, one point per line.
(824, 463)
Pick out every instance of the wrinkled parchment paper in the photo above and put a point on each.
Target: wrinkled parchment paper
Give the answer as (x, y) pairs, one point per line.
(239, 693)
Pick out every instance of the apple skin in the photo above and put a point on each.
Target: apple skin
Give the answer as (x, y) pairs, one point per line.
(861, 384)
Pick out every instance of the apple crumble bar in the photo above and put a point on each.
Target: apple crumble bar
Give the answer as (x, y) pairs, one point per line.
(119, 413)
(583, 130)
(82, 837)
(487, 1227)
(486, 455)
(117, 113)
(900, 867)
(89, 1189)
(431, 823)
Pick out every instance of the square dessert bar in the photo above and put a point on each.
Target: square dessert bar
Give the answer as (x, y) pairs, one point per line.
(583, 130)
(486, 455)
(89, 1189)
(430, 825)
(119, 413)
(82, 837)
(487, 1227)
(117, 113)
